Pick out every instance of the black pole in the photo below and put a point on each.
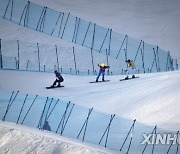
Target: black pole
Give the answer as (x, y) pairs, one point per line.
(121, 46)
(62, 121)
(29, 109)
(125, 55)
(157, 54)
(74, 29)
(112, 117)
(110, 35)
(126, 47)
(26, 12)
(41, 20)
(74, 60)
(86, 33)
(9, 104)
(142, 56)
(138, 50)
(172, 143)
(130, 140)
(44, 68)
(18, 55)
(155, 140)
(128, 134)
(22, 108)
(77, 29)
(26, 15)
(61, 25)
(56, 23)
(107, 61)
(85, 125)
(46, 116)
(92, 62)
(65, 25)
(152, 66)
(103, 40)
(92, 45)
(6, 9)
(52, 109)
(147, 143)
(11, 9)
(93, 38)
(176, 65)
(42, 114)
(167, 61)
(1, 60)
(65, 123)
(172, 62)
(39, 64)
(177, 140)
(107, 130)
(25, 8)
(155, 59)
(57, 57)
(27, 65)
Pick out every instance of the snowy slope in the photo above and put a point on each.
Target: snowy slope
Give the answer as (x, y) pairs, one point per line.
(152, 99)
(16, 139)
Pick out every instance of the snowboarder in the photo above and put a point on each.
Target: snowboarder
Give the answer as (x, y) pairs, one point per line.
(58, 80)
(102, 67)
(131, 69)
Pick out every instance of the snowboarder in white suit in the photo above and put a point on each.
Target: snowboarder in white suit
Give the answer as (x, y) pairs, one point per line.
(131, 69)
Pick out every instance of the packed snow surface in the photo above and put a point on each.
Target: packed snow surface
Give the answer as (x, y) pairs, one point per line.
(16, 139)
(152, 99)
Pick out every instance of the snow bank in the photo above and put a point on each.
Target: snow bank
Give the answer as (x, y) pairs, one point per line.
(21, 140)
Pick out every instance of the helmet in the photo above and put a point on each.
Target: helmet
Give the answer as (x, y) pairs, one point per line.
(55, 71)
(102, 65)
(128, 60)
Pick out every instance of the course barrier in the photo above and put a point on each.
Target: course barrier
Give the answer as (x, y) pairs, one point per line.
(87, 125)
(102, 40)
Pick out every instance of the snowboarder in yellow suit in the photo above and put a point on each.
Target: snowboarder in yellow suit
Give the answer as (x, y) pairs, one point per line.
(102, 69)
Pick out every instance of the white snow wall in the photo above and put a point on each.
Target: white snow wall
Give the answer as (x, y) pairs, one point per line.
(148, 58)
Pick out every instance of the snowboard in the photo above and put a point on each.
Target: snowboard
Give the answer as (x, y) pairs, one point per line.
(53, 87)
(128, 79)
(99, 81)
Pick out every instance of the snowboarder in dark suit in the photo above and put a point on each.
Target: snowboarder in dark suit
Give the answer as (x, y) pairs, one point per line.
(58, 80)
